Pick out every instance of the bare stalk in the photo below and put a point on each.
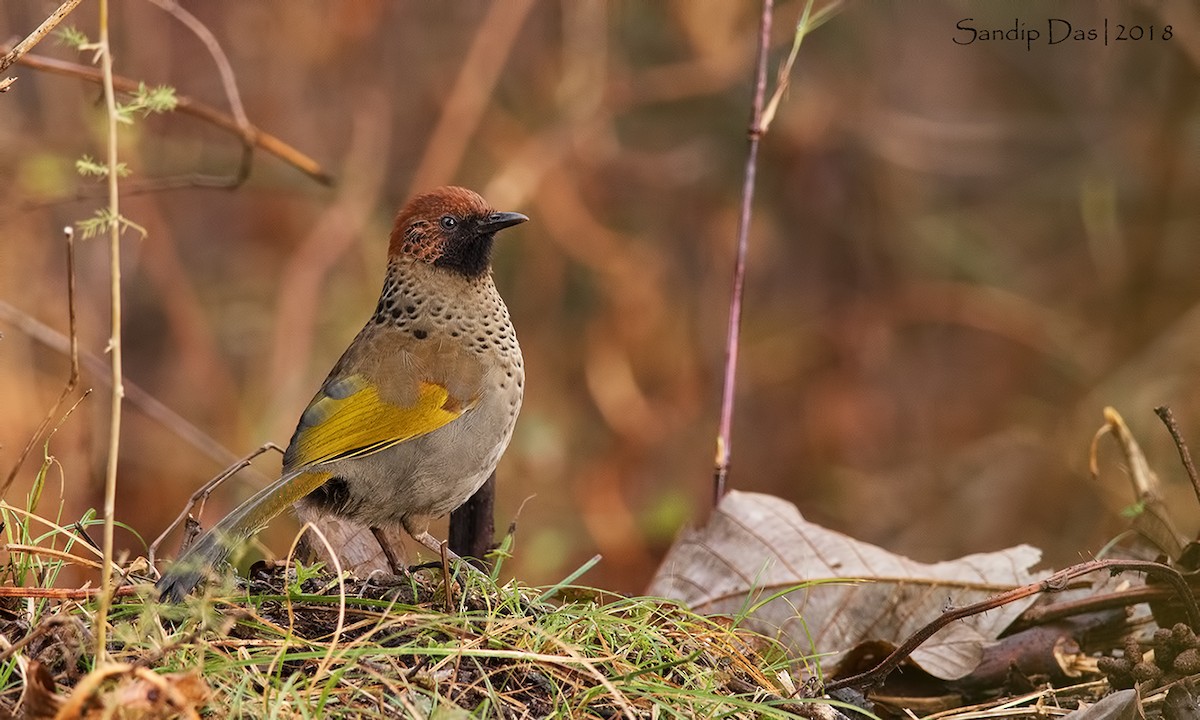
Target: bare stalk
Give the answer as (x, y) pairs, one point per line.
(118, 390)
(72, 380)
(724, 430)
(228, 81)
(1185, 456)
(36, 36)
(189, 106)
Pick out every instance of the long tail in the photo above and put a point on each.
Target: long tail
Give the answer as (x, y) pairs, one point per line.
(214, 546)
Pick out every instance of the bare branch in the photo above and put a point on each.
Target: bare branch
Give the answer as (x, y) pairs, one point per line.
(72, 379)
(228, 82)
(184, 104)
(1185, 456)
(724, 429)
(1055, 583)
(114, 339)
(35, 37)
(204, 491)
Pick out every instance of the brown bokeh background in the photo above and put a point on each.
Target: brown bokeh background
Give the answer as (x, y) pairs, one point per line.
(959, 255)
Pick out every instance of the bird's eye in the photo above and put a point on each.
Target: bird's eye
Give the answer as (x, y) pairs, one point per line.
(448, 222)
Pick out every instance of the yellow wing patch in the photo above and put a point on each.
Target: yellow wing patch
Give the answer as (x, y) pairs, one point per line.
(348, 420)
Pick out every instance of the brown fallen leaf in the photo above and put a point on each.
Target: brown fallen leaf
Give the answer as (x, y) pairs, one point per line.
(119, 690)
(39, 700)
(822, 592)
(1153, 519)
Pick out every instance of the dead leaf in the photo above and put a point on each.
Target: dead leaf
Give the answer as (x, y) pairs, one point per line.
(124, 691)
(1181, 703)
(837, 592)
(1154, 520)
(1121, 705)
(40, 701)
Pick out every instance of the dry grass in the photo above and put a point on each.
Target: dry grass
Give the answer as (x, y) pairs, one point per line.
(296, 641)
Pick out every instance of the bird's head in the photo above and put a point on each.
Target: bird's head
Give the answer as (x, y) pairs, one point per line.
(451, 228)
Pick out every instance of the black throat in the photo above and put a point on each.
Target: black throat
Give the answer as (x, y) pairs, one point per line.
(467, 254)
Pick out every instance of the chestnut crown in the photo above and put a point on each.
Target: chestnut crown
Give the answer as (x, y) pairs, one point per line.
(451, 228)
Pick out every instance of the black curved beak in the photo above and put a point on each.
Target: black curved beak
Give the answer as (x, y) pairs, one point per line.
(500, 220)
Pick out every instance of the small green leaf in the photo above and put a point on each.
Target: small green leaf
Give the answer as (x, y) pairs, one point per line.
(88, 166)
(72, 37)
(103, 220)
(1132, 511)
(146, 100)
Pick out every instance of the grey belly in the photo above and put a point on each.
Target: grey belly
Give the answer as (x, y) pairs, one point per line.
(428, 476)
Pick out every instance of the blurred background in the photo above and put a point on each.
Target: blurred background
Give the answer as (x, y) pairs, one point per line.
(959, 255)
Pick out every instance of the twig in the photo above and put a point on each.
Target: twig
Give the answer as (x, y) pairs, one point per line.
(204, 491)
(1185, 456)
(134, 393)
(808, 22)
(114, 340)
(724, 430)
(1042, 614)
(36, 36)
(228, 82)
(1154, 522)
(72, 379)
(195, 108)
(1055, 583)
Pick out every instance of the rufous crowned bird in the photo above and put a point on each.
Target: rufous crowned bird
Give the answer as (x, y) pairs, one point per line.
(415, 415)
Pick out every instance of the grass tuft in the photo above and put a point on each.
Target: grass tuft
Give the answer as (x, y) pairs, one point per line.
(298, 642)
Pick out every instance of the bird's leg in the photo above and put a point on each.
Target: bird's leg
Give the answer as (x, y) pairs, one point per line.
(389, 552)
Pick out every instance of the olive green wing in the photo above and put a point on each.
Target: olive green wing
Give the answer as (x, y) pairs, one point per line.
(349, 419)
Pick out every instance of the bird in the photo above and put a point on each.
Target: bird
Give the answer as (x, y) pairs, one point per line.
(416, 413)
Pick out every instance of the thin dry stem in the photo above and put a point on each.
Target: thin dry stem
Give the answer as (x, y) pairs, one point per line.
(36, 36)
(188, 106)
(228, 82)
(72, 379)
(1055, 583)
(53, 553)
(204, 491)
(323, 667)
(1185, 455)
(34, 517)
(114, 342)
(808, 22)
(724, 430)
(134, 394)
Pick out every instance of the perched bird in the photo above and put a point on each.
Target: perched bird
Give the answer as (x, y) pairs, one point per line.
(417, 412)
